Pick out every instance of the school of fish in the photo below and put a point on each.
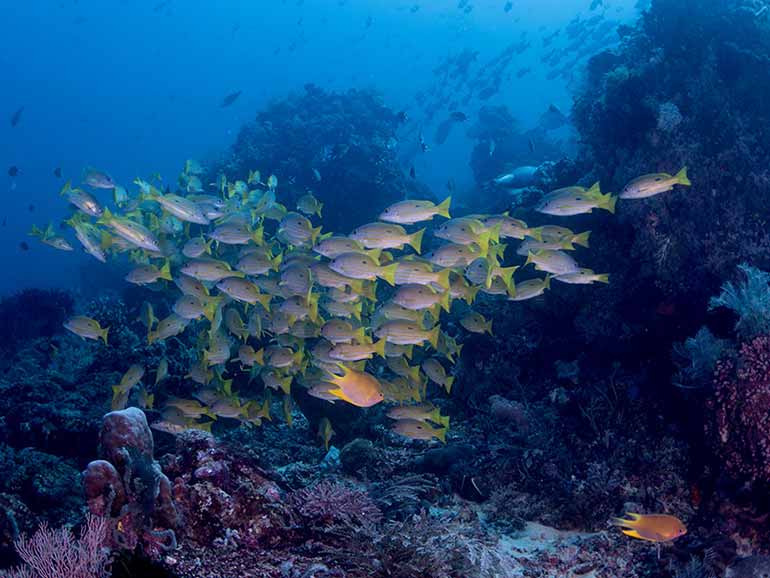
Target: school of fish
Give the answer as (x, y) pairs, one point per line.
(353, 318)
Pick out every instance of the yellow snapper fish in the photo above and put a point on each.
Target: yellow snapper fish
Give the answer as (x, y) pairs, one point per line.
(454, 255)
(49, 238)
(277, 381)
(356, 387)
(387, 236)
(531, 288)
(459, 288)
(357, 351)
(298, 230)
(147, 315)
(576, 201)
(411, 271)
(467, 231)
(235, 325)
(476, 323)
(482, 271)
(654, 184)
(419, 430)
(190, 286)
(147, 274)
(422, 412)
(407, 333)
(257, 264)
(167, 327)
(85, 202)
(196, 247)
(400, 366)
(161, 372)
(86, 328)
(334, 246)
(237, 232)
(89, 237)
(325, 431)
(511, 228)
(421, 297)
(437, 374)
(498, 286)
(188, 307)
(244, 291)
(409, 212)
(219, 349)
(309, 205)
(133, 232)
(341, 331)
(180, 207)
(299, 307)
(209, 270)
(555, 262)
(362, 266)
(556, 233)
(583, 277)
(191, 408)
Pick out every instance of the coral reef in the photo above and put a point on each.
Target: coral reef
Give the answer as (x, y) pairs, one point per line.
(341, 146)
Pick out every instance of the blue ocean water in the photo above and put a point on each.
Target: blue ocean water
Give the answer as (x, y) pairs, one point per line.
(134, 87)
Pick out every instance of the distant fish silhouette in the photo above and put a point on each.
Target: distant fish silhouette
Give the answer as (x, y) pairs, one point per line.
(57, 172)
(412, 172)
(14, 171)
(230, 99)
(17, 116)
(24, 246)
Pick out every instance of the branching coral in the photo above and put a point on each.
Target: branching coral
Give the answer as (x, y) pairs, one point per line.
(749, 299)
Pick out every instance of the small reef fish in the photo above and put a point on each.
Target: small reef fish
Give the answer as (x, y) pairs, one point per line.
(419, 430)
(651, 527)
(576, 201)
(409, 212)
(86, 328)
(98, 179)
(475, 323)
(654, 184)
(356, 387)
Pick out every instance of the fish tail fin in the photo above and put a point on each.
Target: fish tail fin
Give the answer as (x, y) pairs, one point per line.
(258, 235)
(388, 273)
(415, 240)
(374, 254)
(440, 434)
(436, 417)
(603, 278)
(608, 202)
(582, 239)
(547, 281)
(286, 385)
(103, 334)
(529, 260)
(535, 233)
(471, 296)
(360, 334)
(448, 386)
(105, 218)
(314, 232)
(265, 298)
(320, 206)
(66, 188)
(379, 348)
(207, 246)
(442, 209)
(259, 357)
(682, 178)
(165, 271)
(488, 327)
(357, 310)
(151, 337)
(483, 242)
(275, 262)
(494, 233)
(443, 279)
(511, 288)
(204, 426)
(433, 336)
(507, 274)
(35, 232)
(446, 303)
(414, 373)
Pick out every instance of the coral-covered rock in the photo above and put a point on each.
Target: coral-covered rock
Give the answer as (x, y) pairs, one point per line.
(740, 426)
(130, 487)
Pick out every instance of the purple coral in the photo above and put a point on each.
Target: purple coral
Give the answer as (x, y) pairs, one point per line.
(329, 504)
(57, 554)
(740, 429)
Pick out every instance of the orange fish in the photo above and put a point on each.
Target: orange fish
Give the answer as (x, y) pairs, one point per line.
(651, 527)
